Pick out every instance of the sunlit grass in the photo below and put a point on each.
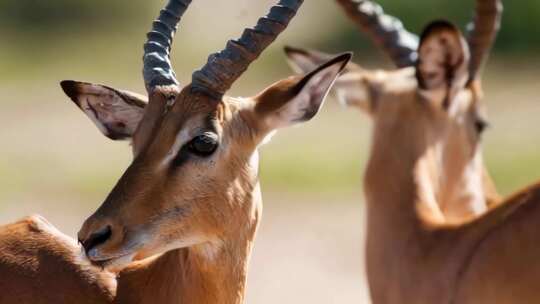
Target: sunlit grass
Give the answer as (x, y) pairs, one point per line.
(53, 150)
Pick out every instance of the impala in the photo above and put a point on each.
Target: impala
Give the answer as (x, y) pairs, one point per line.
(426, 154)
(361, 88)
(180, 223)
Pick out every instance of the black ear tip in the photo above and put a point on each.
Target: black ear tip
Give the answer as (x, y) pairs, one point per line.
(344, 58)
(291, 51)
(347, 57)
(69, 87)
(288, 49)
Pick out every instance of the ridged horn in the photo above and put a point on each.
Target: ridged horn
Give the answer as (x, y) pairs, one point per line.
(157, 70)
(387, 31)
(225, 67)
(483, 32)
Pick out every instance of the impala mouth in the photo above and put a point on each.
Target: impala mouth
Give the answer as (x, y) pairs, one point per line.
(115, 262)
(110, 260)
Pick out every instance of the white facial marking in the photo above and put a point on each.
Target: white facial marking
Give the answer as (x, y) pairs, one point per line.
(268, 138)
(181, 139)
(154, 246)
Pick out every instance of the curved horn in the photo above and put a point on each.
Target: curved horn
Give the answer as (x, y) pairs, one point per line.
(483, 31)
(157, 70)
(225, 67)
(387, 31)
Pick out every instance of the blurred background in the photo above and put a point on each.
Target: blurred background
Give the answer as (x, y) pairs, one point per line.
(53, 161)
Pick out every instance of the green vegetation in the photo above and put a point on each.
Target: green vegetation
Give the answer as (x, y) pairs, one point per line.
(52, 149)
(44, 20)
(519, 32)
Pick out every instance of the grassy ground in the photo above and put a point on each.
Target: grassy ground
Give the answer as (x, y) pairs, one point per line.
(52, 149)
(55, 162)
(329, 153)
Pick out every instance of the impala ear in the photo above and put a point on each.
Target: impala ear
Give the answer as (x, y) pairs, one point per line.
(116, 113)
(443, 60)
(303, 61)
(298, 98)
(350, 89)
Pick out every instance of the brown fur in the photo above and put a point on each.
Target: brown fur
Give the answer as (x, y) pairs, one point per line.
(412, 255)
(374, 92)
(188, 220)
(426, 243)
(413, 260)
(36, 257)
(230, 191)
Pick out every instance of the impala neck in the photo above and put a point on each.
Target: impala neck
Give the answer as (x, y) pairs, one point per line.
(411, 180)
(393, 189)
(395, 236)
(203, 274)
(405, 238)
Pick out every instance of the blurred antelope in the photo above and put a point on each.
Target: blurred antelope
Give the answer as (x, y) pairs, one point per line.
(188, 207)
(364, 89)
(426, 157)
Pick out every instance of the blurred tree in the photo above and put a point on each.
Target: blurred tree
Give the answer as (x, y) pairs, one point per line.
(45, 19)
(520, 30)
(30, 17)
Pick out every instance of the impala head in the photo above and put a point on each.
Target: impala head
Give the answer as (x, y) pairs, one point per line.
(193, 181)
(431, 106)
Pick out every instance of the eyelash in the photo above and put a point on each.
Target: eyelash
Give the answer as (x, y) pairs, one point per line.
(202, 139)
(190, 148)
(481, 125)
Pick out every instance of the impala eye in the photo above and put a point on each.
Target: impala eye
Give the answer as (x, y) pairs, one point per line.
(481, 125)
(203, 145)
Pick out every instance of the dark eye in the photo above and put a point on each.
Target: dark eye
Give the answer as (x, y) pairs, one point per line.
(481, 125)
(203, 145)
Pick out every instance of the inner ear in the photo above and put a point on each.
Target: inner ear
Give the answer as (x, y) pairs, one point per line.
(298, 98)
(116, 113)
(443, 60)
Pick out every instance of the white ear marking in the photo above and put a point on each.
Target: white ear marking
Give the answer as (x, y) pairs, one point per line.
(116, 113)
(86, 106)
(312, 92)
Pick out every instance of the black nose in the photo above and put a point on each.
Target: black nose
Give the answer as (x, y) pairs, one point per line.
(97, 238)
